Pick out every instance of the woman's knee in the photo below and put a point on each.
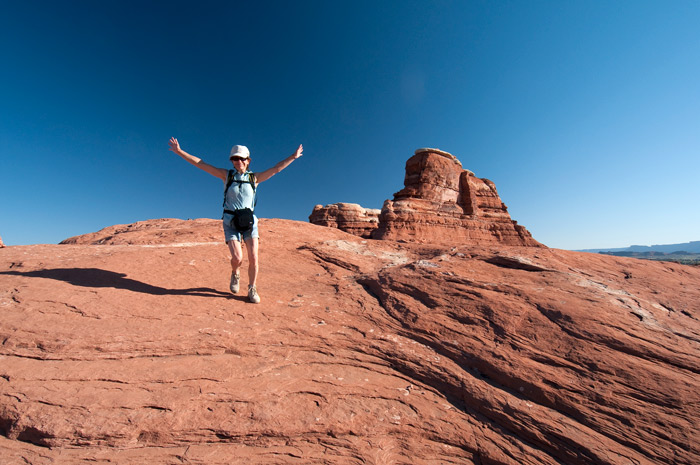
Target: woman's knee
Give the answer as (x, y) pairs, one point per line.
(236, 253)
(252, 248)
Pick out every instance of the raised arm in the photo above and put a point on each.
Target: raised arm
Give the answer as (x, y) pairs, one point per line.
(214, 171)
(267, 174)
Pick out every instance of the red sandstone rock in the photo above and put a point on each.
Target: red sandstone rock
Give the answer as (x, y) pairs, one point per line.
(348, 217)
(441, 202)
(153, 232)
(360, 352)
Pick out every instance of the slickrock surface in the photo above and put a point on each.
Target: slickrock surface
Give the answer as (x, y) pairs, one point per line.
(348, 217)
(361, 352)
(154, 232)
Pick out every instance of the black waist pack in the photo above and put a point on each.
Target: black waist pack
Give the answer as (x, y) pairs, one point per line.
(242, 220)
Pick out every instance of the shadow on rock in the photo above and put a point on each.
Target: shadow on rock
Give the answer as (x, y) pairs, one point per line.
(95, 277)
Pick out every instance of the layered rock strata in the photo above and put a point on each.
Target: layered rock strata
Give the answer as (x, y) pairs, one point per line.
(440, 202)
(348, 217)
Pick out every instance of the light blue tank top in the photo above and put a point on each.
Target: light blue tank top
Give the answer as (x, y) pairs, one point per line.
(240, 194)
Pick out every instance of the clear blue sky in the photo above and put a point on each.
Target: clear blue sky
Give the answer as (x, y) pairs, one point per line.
(586, 114)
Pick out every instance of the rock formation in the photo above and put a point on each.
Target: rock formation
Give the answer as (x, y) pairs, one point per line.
(360, 352)
(441, 202)
(1, 244)
(348, 217)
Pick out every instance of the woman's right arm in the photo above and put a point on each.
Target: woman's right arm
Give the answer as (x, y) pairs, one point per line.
(214, 171)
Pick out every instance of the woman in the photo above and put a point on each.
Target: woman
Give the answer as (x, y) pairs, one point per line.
(240, 194)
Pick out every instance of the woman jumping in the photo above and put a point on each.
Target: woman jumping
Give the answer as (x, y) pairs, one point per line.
(239, 202)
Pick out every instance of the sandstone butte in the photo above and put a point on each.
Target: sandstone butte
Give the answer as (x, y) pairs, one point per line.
(124, 346)
(440, 203)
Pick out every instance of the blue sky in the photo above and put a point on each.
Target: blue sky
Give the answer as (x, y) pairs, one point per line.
(585, 114)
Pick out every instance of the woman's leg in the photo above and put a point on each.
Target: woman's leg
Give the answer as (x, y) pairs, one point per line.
(236, 255)
(252, 246)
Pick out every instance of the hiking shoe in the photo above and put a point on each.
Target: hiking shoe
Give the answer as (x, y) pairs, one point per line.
(253, 295)
(235, 283)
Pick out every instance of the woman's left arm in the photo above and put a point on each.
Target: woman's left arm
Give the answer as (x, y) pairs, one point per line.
(267, 174)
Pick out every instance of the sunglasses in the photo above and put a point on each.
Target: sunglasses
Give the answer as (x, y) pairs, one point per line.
(235, 159)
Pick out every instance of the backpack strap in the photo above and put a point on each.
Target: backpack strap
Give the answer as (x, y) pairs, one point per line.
(253, 182)
(229, 181)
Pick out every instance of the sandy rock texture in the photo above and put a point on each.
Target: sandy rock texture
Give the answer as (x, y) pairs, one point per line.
(349, 217)
(361, 352)
(154, 232)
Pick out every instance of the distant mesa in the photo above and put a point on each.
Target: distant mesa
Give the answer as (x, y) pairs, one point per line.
(440, 202)
(683, 247)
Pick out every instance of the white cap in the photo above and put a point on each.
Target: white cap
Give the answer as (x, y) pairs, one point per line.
(239, 151)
